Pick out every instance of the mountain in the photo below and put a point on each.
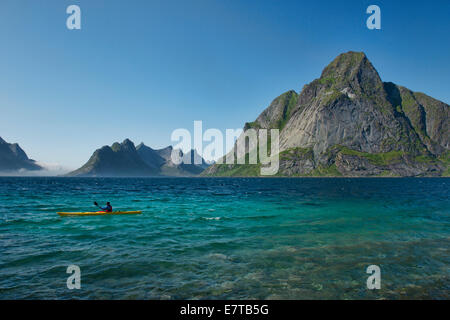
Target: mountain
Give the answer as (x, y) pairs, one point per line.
(188, 166)
(121, 159)
(351, 123)
(151, 156)
(13, 158)
(126, 160)
(162, 159)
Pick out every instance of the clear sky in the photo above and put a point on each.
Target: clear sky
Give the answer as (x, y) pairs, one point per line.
(140, 69)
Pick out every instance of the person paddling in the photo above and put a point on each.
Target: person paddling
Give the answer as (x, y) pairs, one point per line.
(108, 207)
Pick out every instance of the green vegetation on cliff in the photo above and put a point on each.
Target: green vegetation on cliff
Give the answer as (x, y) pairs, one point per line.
(381, 159)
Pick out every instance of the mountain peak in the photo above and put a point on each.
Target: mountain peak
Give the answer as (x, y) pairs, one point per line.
(127, 142)
(352, 69)
(344, 64)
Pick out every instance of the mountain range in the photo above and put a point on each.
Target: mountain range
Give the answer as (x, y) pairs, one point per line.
(124, 159)
(13, 158)
(346, 123)
(351, 123)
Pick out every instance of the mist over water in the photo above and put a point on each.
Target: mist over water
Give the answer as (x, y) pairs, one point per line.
(231, 238)
(48, 170)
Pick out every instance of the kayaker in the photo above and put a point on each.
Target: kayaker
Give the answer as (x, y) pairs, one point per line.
(108, 207)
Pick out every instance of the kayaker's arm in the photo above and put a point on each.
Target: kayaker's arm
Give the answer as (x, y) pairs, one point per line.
(108, 207)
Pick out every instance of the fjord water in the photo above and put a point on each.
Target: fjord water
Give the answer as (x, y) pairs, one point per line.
(235, 238)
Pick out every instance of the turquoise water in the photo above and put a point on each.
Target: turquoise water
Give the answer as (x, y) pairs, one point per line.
(226, 238)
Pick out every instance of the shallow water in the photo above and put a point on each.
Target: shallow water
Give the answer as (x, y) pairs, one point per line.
(235, 238)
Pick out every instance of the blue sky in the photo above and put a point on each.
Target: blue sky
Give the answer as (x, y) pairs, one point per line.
(140, 69)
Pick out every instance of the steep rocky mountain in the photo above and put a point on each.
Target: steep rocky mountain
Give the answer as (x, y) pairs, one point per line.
(126, 160)
(351, 123)
(13, 158)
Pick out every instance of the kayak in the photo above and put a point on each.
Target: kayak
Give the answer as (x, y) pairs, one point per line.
(98, 213)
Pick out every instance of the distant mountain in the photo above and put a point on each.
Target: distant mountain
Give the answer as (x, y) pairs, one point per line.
(121, 159)
(162, 159)
(350, 123)
(124, 159)
(187, 167)
(151, 157)
(13, 158)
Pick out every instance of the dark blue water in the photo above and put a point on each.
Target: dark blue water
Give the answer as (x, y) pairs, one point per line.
(226, 238)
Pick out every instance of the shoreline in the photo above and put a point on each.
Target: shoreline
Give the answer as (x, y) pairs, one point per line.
(232, 177)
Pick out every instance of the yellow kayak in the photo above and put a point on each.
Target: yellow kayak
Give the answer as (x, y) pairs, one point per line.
(98, 213)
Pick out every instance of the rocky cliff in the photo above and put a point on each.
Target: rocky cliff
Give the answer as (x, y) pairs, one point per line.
(351, 123)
